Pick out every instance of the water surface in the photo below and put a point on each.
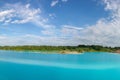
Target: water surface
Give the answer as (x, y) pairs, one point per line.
(38, 66)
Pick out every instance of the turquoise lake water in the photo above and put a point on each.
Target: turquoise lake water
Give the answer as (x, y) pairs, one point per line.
(34, 66)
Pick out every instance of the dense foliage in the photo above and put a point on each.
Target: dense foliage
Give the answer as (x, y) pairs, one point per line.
(62, 49)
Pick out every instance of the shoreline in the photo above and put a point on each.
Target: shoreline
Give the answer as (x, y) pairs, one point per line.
(57, 52)
(46, 52)
(62, 49)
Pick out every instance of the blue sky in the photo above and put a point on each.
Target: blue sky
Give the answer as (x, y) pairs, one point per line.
(59, 22)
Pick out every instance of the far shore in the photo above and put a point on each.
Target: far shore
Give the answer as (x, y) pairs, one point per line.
(57, 52)
(49, 52)
(62, 49)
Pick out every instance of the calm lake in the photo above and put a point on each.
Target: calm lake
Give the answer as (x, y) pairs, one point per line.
(34, 66)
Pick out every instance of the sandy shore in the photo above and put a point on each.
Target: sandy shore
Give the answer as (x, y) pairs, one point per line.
(69, 52)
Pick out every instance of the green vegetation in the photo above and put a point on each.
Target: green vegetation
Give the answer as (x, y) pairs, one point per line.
(63, 49)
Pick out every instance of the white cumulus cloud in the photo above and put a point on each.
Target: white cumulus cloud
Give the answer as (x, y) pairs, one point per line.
(104, 32)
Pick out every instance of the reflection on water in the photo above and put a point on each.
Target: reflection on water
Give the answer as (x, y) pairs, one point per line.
(33, 66)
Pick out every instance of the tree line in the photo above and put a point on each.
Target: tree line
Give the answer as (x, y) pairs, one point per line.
(79, 48)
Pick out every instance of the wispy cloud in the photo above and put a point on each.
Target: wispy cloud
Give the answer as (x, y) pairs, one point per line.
(5, 14)
(64, 0)
(19, 14)
(105, 32)
(30, 39)
(72, 27)
(52, 15)
(54, 2)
